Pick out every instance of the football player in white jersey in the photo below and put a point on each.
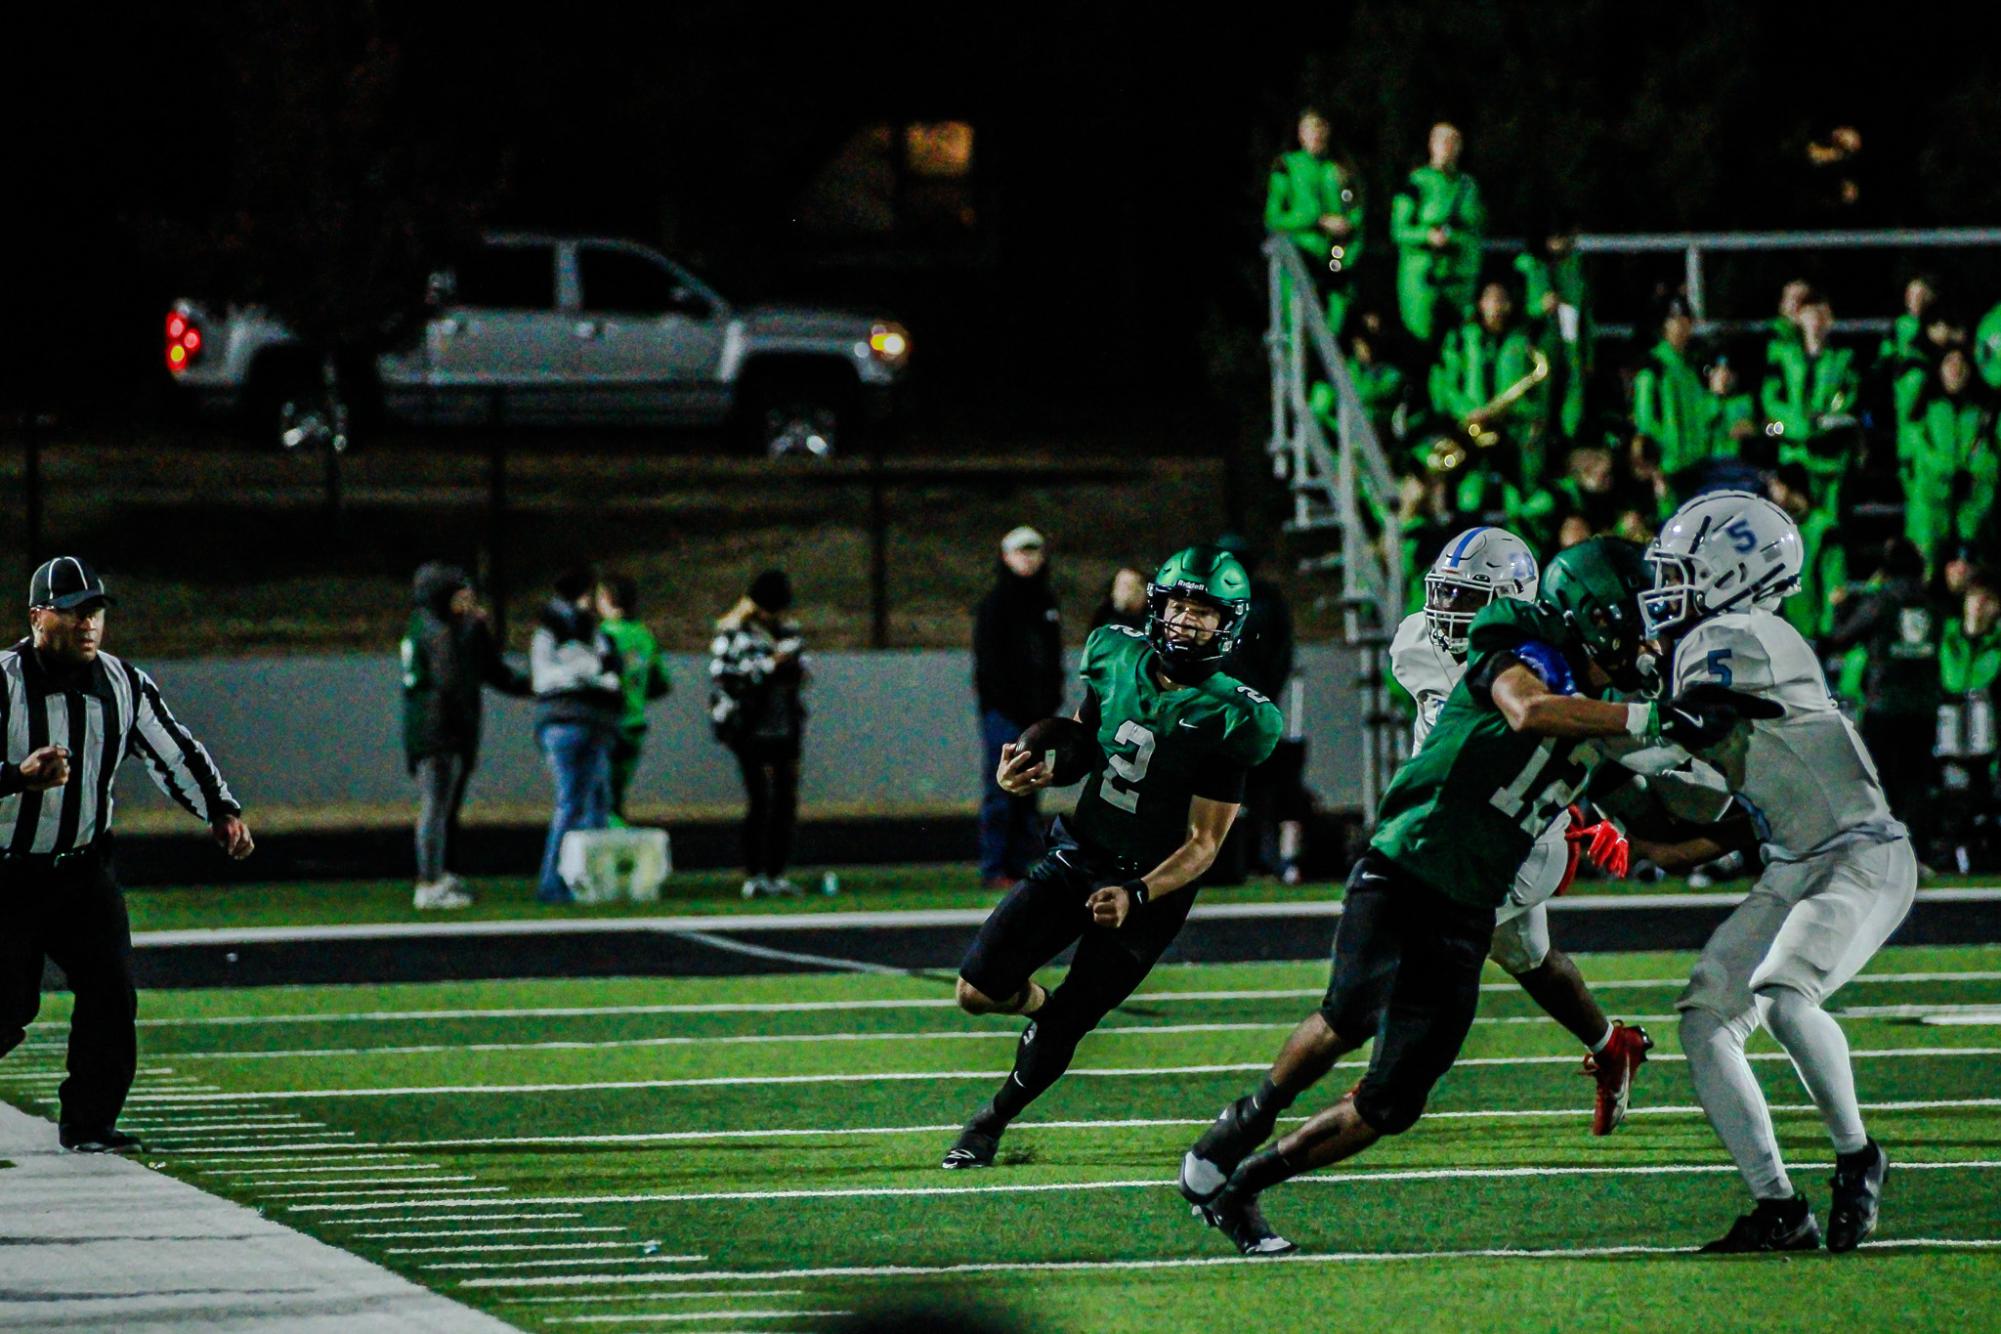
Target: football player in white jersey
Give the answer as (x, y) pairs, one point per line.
(1427, 658)
(1839, 871)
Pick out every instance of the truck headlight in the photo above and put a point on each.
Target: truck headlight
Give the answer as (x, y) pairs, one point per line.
(889, 342)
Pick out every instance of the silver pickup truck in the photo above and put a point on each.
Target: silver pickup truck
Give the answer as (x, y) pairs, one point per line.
(531, 329)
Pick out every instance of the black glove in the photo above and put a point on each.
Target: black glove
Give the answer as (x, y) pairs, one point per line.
(1703, 715)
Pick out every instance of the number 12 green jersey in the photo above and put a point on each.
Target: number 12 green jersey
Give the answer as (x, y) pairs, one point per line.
(1466, 809)
(1163, 747)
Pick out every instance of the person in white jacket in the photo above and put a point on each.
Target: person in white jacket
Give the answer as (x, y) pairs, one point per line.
(574, 670)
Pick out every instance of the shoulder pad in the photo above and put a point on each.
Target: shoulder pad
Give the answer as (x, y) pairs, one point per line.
(1725, 650)
(1417, 664)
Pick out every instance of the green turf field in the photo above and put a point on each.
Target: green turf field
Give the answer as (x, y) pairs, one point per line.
(613, 1154)
(316, 902)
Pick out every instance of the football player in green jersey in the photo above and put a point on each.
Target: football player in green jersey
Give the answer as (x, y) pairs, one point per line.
(1511, 748)
(1178, 736)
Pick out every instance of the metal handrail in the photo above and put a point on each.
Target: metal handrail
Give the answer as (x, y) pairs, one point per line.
(1338, 484)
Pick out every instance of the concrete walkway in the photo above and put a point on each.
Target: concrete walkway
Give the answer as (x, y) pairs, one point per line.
(94, 1242)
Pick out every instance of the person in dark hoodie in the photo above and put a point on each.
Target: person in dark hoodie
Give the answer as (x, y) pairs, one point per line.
(1895, 618)
(578, 703)
(1018, 675)
(449, 654)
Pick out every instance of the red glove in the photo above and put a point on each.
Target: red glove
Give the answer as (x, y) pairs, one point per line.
(1602, 844)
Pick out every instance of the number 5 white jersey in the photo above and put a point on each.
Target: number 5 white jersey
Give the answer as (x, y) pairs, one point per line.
(1429, 673)
(1806, 777)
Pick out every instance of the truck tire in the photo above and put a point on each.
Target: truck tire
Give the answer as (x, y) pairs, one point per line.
(799, 411)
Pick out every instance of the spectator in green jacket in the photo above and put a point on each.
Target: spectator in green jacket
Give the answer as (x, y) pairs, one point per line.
(1483, 361)
(1730, 414)
(1670, 403)
(642, 679)
(1946, 455)
(1558, 302)
(1811, 391)
(1987, 347)
(1901, 352)
(1786, 324)
(1313, 200)
(1437, 222)
(1378, 382)
(1823, 557)
(1969, 661)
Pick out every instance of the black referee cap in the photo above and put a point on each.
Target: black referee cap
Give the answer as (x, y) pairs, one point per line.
(64, 583)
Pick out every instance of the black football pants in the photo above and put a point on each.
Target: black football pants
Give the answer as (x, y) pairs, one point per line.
(74, 914)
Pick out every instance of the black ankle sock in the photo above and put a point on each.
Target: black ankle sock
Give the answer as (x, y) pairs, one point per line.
(1260, 1171)
(1270, 1101)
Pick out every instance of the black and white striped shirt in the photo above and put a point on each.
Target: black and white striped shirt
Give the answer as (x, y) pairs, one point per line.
(102, 713)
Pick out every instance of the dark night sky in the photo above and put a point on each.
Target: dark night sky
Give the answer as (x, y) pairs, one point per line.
(1114, 159)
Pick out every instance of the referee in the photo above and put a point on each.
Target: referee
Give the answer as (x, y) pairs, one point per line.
(70, 712)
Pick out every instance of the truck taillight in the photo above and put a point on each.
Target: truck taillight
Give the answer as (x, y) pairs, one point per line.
(184, 342)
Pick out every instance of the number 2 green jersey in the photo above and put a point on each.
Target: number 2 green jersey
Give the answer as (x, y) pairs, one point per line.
(1466, 809)
(1162, 747)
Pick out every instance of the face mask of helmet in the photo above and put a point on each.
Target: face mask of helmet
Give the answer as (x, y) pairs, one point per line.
(1671, 602)
(1189, 652)
(1449, 608)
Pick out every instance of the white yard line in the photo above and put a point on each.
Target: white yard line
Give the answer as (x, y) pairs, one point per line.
(906, 1076)
(880, 920)
(480, 1232)
(908, 1003)
(257, 1174)
(403, 1191)
(682, 1317)
(1123, 1266)
(461, 1218)
(1964, 1020)
(516, 1247)
(469, 1265)
(1157, 1183)
(829, 1132)
(767, 1039)
(580, 1299)
(283, 1153)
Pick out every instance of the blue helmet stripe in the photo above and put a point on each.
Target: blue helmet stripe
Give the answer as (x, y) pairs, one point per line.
(1459, 552)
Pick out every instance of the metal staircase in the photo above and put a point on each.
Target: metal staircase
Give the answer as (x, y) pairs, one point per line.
(1344, 498)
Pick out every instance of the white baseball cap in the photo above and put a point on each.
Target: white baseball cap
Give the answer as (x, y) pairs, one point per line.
(1021, 538)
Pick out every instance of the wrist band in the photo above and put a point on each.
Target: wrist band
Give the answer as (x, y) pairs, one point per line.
(1640, 720)
(1136, 890)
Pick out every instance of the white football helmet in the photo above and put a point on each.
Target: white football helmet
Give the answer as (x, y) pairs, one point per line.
(1475, 567)
(1720, 551)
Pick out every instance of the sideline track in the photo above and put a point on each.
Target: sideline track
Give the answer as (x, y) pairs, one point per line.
(884, 942)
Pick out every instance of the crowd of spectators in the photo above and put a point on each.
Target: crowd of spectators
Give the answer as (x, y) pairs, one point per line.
(1497, 403)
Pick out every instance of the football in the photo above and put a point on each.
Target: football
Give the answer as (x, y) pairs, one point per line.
(1065, 745)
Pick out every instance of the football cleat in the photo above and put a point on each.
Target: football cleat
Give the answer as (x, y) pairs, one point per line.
(1239, 1218)
(97, 1139)
(1858, 1191)
(1775, 1225)
(1233, 1137)
(1613, 1068)
(977, 1144)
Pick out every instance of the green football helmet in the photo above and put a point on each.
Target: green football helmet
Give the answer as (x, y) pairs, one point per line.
(1596, 587)
(1205, 574)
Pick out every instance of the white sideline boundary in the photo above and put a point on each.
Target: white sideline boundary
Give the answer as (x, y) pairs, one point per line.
(908, 1076)
(882, 920)
(1166, 1183)
(1140, 998)
(1139, 1123)
(1188, 1262)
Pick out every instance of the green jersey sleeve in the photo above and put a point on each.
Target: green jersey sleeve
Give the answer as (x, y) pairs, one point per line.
(1252, 731)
